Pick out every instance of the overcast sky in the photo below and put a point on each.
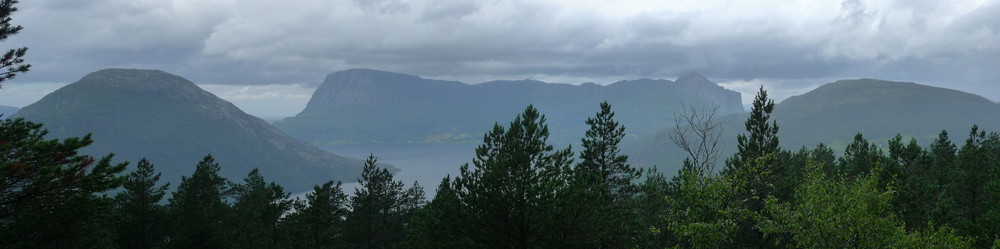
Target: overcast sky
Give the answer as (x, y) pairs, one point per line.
(267, 56)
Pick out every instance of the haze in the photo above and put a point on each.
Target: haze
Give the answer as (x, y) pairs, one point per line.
(268, 57)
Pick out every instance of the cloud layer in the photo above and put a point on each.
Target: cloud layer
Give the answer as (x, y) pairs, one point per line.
(944, 43)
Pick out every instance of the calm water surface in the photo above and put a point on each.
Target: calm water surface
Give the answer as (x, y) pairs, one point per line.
(424, 163)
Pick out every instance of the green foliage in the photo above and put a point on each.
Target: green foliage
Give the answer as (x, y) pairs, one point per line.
(142, 220)
(860, 157)
(254, 217)
(380, 209)
(605, 180)
(319, 221)
(650, 206)
(754, 169)
(198, 208)
(13, 60)
(835, 212)
(702, 212)
(510, 195)
(49, 194)
(440, 223)
(33, 168)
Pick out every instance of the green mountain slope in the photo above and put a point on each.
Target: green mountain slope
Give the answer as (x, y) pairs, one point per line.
(168, 119)
(834, 112)
(369, 106)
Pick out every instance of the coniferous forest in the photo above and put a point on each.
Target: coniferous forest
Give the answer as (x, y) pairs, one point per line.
(521, 192)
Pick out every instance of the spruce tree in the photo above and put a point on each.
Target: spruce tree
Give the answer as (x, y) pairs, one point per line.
(141, 218)
(255, 214)
(605, 179)
(753, 170)
(440, 223)
(380, 208)
(860, 157)
(510, 191)
(319, 221)
(198, 209)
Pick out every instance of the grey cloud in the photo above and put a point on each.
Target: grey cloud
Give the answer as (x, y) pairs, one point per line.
(449, 9)
(252, 42)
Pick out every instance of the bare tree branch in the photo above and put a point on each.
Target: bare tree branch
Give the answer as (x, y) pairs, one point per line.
(697, 133)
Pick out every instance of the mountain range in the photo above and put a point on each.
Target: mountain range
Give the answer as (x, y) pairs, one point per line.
(361, 106)
(174, 123)
(833, 113)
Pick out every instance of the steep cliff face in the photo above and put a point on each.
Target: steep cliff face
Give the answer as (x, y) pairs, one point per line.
(369, 106)
(174, 123)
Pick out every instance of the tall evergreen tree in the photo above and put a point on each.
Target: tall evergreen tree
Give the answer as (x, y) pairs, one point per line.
(861, 157)
(198, 208)
(319, 221)
(380, 209)
(141, 218)
(605, 179)
(969, 186)
(753, 170)
(762, 134)
(255, 214)
(510, 191)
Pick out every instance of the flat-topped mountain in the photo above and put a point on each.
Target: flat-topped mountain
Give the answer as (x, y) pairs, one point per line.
(369, 106)
(174, 123)
(833, 113)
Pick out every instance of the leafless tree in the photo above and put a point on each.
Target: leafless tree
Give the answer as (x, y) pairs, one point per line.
(697, 132)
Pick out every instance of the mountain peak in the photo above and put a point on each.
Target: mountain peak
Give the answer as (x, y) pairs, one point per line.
(172, 122)
(136, 78)
(694, 78)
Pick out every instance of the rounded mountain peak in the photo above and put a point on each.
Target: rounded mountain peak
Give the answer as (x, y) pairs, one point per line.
(139, 79)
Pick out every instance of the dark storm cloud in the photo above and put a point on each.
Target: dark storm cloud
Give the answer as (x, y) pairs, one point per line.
(944, 43)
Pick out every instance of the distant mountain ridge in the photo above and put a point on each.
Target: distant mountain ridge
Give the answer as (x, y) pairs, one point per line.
(168, 119)
(370, 106)
(834, 112)
(6, 111)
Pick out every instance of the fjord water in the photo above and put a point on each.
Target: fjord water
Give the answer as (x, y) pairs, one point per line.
(425, 163)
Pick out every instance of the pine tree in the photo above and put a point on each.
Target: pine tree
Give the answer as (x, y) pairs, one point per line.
(763, 136)
(13, 61)
(33, 169)
(860, 157)
(319, 221)
(753, 170)
(258, 207)
(198, 209)
(605, 179)
(50, 195)
(511, 190)
(440, 223)
(380, 208)
(141, 218)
